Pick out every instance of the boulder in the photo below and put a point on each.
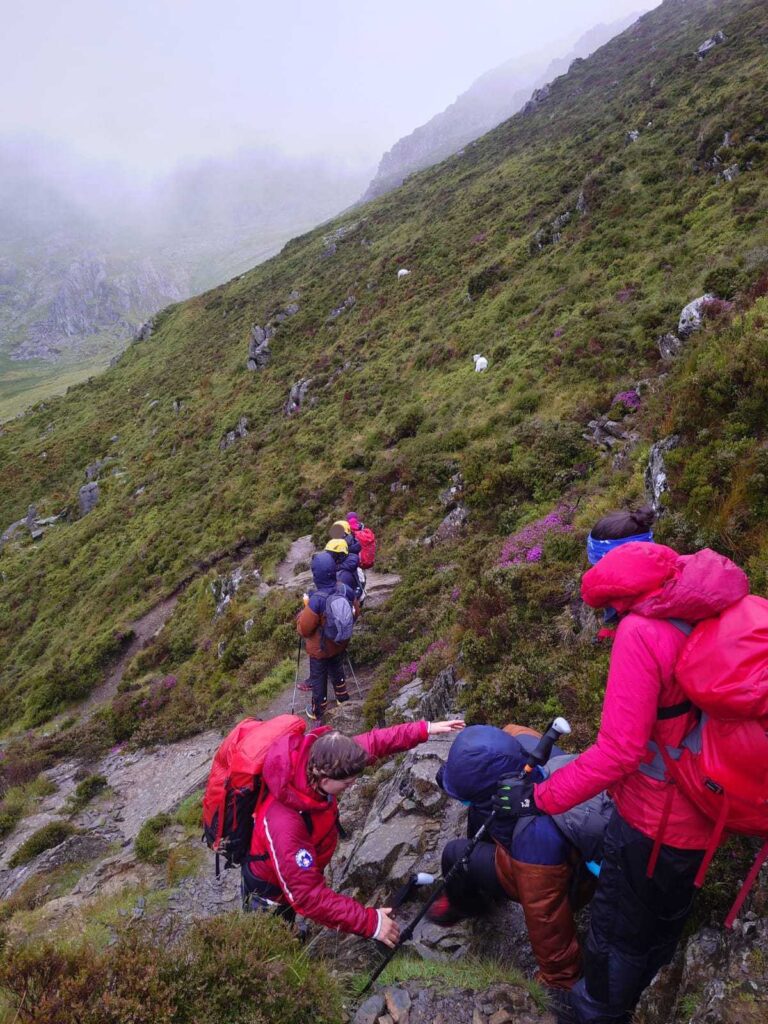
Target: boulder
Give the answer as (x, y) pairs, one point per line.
(452, 526)
(144, 333)
(730, 173)
(88, 497)
(633, 136)
(538, 97)
(691, 315)
(297, 396)
(346, 305)
(235, 434)
(710, 44)
(259, 353)
(93, 471)
(669, 345)
(450, 496)
(656, 470)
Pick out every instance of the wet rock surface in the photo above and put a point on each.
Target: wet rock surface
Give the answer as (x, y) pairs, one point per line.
(415, 1003)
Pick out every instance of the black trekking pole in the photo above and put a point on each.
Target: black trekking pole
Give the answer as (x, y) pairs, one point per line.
(538, 756)
(296, 679)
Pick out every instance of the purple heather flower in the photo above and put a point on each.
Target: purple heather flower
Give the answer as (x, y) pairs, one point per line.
(558, 332)
(526, 544)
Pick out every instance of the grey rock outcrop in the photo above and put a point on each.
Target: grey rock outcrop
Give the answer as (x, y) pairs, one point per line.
(656, 471)
(144, 333)
(235, 434)
(669, 345)
(449, 497)
(331, 240)
(297, 396)
(633, 136)
(730, 173)
(259, 353)
(691, 315)
(225, 587)
(452, 526)
(93, 471)
(710, 44)
(88, 497)
(346, 305)
(537, 98)
(609, 434)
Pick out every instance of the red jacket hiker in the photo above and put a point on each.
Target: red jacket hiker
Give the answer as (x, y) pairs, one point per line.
(293, 856)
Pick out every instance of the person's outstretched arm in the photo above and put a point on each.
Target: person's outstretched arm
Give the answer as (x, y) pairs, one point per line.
(384, 742)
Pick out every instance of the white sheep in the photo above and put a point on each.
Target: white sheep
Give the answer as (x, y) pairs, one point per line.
(481, 363)
(402, 272)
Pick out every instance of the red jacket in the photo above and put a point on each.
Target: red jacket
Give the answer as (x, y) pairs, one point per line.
(298, 855)
(653, 583)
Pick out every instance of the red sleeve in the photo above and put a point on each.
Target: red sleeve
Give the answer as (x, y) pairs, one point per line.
(307, 621)
(294, 857)
(383, 742)
(629, 715)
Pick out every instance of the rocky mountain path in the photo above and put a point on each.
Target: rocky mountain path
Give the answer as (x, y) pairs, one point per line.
(144, 783)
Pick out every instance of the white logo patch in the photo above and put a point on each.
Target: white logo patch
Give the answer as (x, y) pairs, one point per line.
(304, 859)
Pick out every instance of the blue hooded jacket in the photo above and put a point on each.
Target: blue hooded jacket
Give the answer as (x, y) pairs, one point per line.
(346, 573)
(324, 570)
(478, 757)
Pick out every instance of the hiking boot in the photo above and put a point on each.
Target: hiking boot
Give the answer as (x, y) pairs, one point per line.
(559, 1003)
(305, 687)
(443, 912)
(314, 715)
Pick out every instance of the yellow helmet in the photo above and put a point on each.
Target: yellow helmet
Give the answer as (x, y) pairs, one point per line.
(344, 525)
(337, 547)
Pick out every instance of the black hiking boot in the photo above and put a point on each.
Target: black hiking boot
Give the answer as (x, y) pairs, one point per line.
(559, 1003)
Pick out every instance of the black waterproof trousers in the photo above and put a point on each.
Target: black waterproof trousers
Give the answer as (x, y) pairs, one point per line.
(636, 922)
(321, 671)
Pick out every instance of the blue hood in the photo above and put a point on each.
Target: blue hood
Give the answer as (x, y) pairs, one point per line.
(478, 757)
(324, 569)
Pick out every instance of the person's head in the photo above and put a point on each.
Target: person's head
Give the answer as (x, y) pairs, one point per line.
(340, 530)
(338, 548)
(354, 521)
(619, 528)
(335, 762)
(478, 757)
(324, 570)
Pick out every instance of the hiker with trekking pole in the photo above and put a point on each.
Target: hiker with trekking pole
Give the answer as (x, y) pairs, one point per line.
(325, 623)
(484, 825)
(682, 746)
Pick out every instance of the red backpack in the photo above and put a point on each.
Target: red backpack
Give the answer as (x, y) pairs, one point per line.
(235, 782)
(367, 539)
(722, 765)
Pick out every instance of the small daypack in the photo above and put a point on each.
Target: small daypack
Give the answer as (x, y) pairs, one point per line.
(722, 764)
(234, 784)
(584, 824)
(338, 617)
(367, 539)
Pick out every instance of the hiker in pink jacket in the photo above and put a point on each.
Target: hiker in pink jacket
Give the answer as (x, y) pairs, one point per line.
(636, 921)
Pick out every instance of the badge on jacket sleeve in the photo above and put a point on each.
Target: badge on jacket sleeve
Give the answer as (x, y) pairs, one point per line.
(304, 859)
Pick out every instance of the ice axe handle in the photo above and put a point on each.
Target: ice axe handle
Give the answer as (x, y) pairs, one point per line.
(542, 752)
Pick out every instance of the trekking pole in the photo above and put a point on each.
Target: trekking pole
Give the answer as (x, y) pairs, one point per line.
(352, 671)
(296, 678)
(538, 756)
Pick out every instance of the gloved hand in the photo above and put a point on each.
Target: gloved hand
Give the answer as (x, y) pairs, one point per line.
(514, 797)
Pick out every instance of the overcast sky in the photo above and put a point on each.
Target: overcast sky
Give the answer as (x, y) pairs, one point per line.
(154, 82)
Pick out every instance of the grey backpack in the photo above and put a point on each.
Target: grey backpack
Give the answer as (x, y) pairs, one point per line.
(584, 824)
(338, 618)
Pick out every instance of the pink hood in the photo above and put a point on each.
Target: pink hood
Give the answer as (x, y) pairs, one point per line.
(652, 580)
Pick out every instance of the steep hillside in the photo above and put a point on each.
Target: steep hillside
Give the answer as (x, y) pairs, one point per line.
(494, 97)
(561, 246)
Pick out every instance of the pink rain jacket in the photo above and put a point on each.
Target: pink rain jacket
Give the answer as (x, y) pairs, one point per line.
(652, 583)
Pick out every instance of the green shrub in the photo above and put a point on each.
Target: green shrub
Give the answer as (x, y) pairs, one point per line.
(148, 845)
(85, 791)
(44, 839)
(236, 968)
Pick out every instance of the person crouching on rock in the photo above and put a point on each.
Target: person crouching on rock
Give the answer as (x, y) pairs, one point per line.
(327, 628)
(528, 860)
(296, 826)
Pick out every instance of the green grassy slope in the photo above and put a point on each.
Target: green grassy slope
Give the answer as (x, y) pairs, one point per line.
(397, 407)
